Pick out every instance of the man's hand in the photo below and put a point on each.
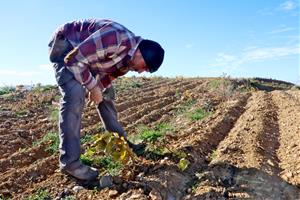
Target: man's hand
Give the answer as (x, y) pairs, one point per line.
(95, 96)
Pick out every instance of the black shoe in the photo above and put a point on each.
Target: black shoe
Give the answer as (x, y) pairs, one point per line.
(83, 172)
(138, 149)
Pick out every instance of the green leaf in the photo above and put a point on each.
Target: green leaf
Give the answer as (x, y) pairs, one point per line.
(183, 164)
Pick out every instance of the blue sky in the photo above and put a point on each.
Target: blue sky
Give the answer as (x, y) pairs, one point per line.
(205, 38)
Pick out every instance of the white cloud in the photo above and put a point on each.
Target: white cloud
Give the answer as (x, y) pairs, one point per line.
(229, 63)
(281, 30)
(288, 5)
(269, 53)
(188, 46)
(223, 57)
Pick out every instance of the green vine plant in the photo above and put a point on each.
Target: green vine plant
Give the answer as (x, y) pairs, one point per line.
(110, 145)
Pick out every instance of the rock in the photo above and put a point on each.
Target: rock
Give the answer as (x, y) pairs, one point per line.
(124, 185)
(191, 130)
(63, 194)
(112, 193)
(154, 195)
(289, 174)
(77, 188)
(117, 180)
(270, 163)
(163, 161)
(105, 181)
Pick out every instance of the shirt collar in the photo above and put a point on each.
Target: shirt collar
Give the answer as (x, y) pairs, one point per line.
(133, 50)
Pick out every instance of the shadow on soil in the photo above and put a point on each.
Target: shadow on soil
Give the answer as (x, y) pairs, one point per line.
(227, 181)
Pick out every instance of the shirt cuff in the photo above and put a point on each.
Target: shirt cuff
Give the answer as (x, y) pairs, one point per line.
(93, 83)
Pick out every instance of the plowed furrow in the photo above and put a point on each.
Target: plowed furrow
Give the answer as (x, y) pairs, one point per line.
(128, 104)
(171, 183)
(289, 127)
(157, 111)
(211, 131)
(154, 117)
(143, 103)
(17, 180)
(123, 94)
(127, 95)
(137, 103)
(51, 183)
(4, 137)
(245, 164)
(154, 91)
(167, 84)
(145, 109)
(184, 126)
(23, 158)
(254, 139)
(9, 147)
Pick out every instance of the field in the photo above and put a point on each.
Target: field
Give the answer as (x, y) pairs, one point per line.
(238, 139)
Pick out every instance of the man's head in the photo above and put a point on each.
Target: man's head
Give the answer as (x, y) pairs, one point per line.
(148, 57)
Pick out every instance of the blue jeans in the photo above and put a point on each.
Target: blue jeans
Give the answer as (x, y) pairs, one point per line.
(71, 108)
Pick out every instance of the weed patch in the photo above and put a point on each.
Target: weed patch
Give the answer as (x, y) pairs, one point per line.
(126, 83)
(213, 155)
(154, 153)
(107, 163)
(112, 167)
(223, 87)
(86, 139)
(40, 194)
(54, 114)
(198, 114)
(21, 113)
(43, 88)
(185, 106)
(6, 90)
(52, 139)
(152, 135)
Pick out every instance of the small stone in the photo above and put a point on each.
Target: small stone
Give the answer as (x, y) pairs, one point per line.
(154, 195)
(105, 181)
(192, 129)
(112, 193)
(77, 188)
(270, 163)
(289, 175)
(163, 161)
(124, 185)
(117, 180)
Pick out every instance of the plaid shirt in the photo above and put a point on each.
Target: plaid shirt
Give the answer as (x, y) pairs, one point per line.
(102, 49)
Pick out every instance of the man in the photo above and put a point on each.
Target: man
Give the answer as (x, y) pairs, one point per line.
(90, 54)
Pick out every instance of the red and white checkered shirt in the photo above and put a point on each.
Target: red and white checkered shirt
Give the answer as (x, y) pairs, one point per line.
(102, 49)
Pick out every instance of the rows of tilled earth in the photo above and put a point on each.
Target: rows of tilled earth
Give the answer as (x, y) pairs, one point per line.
(25, 168)
(258, 157)
(246, 149)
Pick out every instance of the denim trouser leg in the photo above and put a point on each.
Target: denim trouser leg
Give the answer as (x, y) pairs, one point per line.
(108, 115)
(71, 108)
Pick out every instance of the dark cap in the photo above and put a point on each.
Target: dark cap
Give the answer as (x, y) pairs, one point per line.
(152, 53)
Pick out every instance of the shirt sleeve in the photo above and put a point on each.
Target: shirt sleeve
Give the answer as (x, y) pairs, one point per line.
(81, 70)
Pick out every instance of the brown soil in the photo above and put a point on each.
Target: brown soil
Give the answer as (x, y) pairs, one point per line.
(247, 148)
